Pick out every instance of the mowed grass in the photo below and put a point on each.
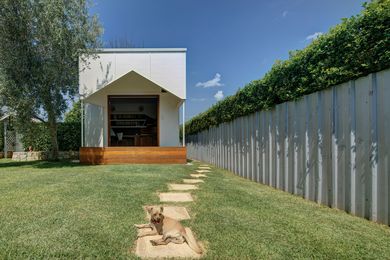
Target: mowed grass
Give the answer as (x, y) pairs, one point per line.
(64, 210)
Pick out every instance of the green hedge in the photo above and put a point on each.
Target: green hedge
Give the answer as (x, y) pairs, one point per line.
(358, 46)
(68, 136)
(68, 133)
(1, 136)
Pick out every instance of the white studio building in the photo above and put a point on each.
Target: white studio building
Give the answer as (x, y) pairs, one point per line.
(131, 101)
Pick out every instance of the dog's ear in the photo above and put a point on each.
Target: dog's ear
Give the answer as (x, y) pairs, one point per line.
(161, 209)
(149, 208)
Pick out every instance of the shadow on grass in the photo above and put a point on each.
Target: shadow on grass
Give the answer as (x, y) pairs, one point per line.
(40, 164)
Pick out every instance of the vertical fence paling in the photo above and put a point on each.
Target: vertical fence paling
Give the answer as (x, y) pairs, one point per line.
(332, 147)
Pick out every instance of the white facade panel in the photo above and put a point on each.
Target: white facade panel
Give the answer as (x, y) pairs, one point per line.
(139, 62)
(169, 120)
(168, 71)
(94, 125)
(97, 74)
(165, 68)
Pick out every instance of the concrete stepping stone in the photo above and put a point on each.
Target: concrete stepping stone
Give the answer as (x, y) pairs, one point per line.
(204, 168)
(198, 175)
(175, 197)
(202, 171)
(178, 213)
(204, 165)
(173, 186)
(192, 181)
(189, 163)
(145, 249)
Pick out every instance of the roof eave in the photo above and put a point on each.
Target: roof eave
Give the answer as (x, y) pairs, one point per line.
(88, 97)
(132, 50)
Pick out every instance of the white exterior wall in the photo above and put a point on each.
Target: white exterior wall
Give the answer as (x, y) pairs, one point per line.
(165, 67)
(134, 73)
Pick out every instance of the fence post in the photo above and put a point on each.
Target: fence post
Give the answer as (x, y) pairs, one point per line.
(374, 148)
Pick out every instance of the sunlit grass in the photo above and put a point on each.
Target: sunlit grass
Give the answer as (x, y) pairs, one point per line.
(65, 210)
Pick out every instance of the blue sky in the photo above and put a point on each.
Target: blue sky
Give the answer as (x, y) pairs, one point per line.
(229, 42)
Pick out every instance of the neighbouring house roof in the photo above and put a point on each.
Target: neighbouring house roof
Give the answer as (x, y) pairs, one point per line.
(4, 117)
(8, 115)
(130, 79)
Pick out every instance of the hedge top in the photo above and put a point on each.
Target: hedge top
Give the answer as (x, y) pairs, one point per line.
(356, 47)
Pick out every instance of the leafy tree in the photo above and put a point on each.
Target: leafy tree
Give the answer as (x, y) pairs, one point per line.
(123, 42)
(74, 115)
(40, 45)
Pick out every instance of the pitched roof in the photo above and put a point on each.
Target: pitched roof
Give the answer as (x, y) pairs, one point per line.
(128, 77)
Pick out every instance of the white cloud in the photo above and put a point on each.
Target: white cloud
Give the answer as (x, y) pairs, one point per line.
(198, 99)
(314, 36)
(284, 14)
(215, 82)
(219, 95)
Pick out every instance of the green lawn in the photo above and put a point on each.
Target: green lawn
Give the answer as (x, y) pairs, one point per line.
(63, 210)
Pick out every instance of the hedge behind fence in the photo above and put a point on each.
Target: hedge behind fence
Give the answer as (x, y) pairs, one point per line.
(358, 46)
(68, 134)
(1, 136)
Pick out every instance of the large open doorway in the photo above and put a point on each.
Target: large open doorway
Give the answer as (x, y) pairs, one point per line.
(133, 120)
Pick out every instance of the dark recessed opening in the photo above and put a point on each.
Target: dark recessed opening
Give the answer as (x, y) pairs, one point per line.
(133, 120)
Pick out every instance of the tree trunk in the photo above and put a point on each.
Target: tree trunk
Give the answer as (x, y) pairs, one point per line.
(53, 136)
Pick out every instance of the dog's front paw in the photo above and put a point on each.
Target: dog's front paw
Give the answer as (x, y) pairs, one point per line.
(154, 243)
(137, 226)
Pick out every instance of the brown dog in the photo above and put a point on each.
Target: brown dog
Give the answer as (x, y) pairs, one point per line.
(170, 229)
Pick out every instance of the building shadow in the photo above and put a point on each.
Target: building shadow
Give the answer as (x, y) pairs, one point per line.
(41, 164)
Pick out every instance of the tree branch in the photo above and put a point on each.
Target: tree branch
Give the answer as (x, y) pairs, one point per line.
(38, 118)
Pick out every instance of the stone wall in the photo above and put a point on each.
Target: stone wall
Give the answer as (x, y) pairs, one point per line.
(9, 155)
(35, 156)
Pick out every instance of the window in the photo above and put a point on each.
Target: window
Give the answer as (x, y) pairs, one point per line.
(133, 120)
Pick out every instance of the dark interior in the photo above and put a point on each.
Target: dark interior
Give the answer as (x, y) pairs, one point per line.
(133, 120)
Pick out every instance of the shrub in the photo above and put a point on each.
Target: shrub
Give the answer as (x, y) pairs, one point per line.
(358, 46)
(69, 136)
(74, 115)
(38, 136)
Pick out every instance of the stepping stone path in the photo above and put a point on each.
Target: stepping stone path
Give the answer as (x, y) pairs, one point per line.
(198, 175)
(175, 197)
(192, 181)
(178, 213)
(202, 171)
(144, 248)
(182, 187)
